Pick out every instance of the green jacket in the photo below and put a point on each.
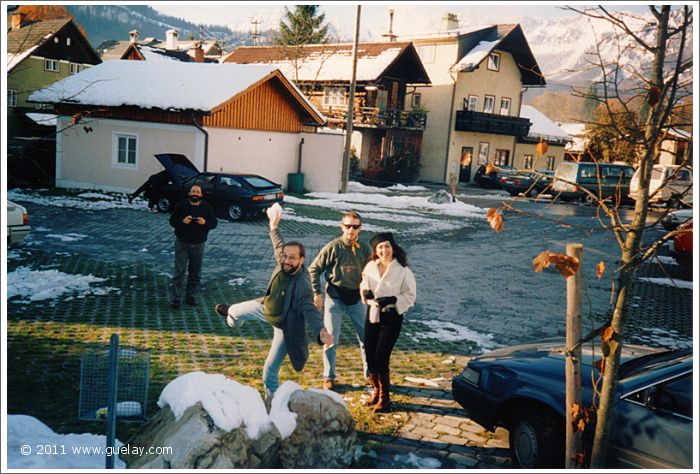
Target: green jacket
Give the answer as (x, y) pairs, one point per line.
(339, 265)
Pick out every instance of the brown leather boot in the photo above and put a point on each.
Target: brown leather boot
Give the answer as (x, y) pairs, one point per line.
(374, 382)
(384, 403)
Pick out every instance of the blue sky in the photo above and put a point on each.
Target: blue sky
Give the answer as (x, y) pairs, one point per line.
(408, 17)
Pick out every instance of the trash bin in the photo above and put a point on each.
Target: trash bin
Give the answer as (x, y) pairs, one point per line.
(295, 183)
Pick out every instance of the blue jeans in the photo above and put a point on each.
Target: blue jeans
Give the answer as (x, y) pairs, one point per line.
(332, 320)
(253, 310)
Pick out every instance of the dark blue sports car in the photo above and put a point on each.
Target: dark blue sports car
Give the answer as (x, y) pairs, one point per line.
(522, 389)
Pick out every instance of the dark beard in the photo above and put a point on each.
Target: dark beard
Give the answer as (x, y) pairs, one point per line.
(290, 272)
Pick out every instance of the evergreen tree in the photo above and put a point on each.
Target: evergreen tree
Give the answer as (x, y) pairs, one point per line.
(304, 26)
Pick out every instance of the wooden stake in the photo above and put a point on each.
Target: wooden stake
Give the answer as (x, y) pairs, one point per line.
(574, 297)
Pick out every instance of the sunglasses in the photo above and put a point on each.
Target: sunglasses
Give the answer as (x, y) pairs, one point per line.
(353, 226)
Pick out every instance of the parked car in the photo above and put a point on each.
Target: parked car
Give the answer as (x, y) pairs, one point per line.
(234, 196)
(683, 245)
(673, 219)
(492, 180)
(604, 180)
(529, 183)
(677, 191)
(522, 389)
(17, 223)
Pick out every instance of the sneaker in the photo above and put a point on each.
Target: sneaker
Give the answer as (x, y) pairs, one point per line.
(222, 310)
(191, 300)
(328, 384)
(175, 304)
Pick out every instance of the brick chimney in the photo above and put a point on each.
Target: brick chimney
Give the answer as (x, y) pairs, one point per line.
(171, 40)
(449, 22)
(15, 20)
(198, 52)
(133, 36)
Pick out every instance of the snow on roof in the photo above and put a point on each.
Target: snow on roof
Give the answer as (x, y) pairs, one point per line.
(151, 53)
(42, 119)
(573, 129)
(14, 59)
(474, 57)
(679, 133)
(228, 403)
(168, 85)
(541, 126)
(465, 30)
(331, 62)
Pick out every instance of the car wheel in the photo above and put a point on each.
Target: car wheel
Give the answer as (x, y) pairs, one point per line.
(164, 204)
(536, 440)
(235, 212)
(531, 193)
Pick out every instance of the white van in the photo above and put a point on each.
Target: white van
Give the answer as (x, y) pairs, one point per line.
(17, 225)
(679, 185)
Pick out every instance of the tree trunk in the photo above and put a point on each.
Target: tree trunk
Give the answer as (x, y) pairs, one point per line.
(630, 251)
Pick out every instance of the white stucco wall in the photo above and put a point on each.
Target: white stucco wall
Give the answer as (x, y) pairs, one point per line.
(87, 160)
(275, 154)
(522, 149)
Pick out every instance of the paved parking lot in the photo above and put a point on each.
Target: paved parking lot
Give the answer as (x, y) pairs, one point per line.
(476, 288)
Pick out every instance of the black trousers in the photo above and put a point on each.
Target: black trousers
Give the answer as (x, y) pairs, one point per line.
(380, 339)
(188, 257)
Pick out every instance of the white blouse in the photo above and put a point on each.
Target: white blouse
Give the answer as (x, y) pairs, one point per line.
(397, 281)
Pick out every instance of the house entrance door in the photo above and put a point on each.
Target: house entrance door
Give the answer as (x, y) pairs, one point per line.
(465, 164)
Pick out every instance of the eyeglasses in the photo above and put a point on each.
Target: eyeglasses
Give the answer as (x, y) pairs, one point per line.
(352, 226)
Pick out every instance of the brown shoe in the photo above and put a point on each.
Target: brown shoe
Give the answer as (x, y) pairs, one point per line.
(384, 403)
(328, 384)
(374, 382)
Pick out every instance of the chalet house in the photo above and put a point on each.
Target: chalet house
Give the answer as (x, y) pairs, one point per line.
(38, 54)
(113, 119)
(542, 130)
(478, 76)
(191, 50)
(386, 129)
(575, 149)
(676, 148)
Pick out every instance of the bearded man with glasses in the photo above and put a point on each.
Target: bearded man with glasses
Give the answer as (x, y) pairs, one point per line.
(341, 262)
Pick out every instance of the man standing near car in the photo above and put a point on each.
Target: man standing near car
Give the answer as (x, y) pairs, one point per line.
(192, 219)
(341, 262)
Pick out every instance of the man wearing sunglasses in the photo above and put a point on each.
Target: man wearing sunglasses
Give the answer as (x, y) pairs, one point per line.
(341, 262)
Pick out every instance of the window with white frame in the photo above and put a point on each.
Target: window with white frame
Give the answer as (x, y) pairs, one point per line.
(483, 153)
(473, 103)
(333, 96)
(75, 68)
(51, 65)
(550, 162)
(125, 147)
(11, 98)
(527, 162)
(494, 62)
(489, 102)
(505, 106)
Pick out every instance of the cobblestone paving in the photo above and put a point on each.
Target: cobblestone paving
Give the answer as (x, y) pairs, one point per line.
(467, 275)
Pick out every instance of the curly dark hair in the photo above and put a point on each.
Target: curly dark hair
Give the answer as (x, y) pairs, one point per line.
(399, 253)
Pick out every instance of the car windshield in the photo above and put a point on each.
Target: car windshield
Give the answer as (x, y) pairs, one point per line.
(650, 361)
(258, 182)
(566, 171)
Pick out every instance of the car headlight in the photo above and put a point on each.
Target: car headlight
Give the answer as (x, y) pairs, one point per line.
(471, 376)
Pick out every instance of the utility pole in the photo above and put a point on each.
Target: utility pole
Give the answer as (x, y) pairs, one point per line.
(351, 105)
(255, 32)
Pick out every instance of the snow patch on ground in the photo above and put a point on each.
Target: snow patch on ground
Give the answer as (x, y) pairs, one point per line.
(667, 338)
(67, 237)
(37, 285)
(411, 459)
(446, 331)
(25, 433)
(80, 201)
(666, 260)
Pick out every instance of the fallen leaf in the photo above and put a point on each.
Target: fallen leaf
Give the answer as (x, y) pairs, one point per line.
(541, 262)
(496, 222)
(600, 269)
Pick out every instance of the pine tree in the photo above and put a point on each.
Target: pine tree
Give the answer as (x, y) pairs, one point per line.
(304, 26)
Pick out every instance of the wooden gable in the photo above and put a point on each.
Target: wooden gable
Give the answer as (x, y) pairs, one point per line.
(69, 44)
(267, 105)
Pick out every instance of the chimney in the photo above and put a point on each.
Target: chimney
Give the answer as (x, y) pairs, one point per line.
(171, 40)
(449, 22)
(198, 52)
(133, 36)
(16, 21)
(390, 33)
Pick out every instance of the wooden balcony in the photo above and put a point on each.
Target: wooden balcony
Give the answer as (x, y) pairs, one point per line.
(479, 122)
(373, 117)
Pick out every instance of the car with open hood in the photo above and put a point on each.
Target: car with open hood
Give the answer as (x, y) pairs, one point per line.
(523, 389)
(233, 196)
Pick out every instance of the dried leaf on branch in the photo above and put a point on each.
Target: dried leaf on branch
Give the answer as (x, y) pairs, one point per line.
(566, 265)
(490, 169)
(607, 334)
(600, 269)
(495, 219)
